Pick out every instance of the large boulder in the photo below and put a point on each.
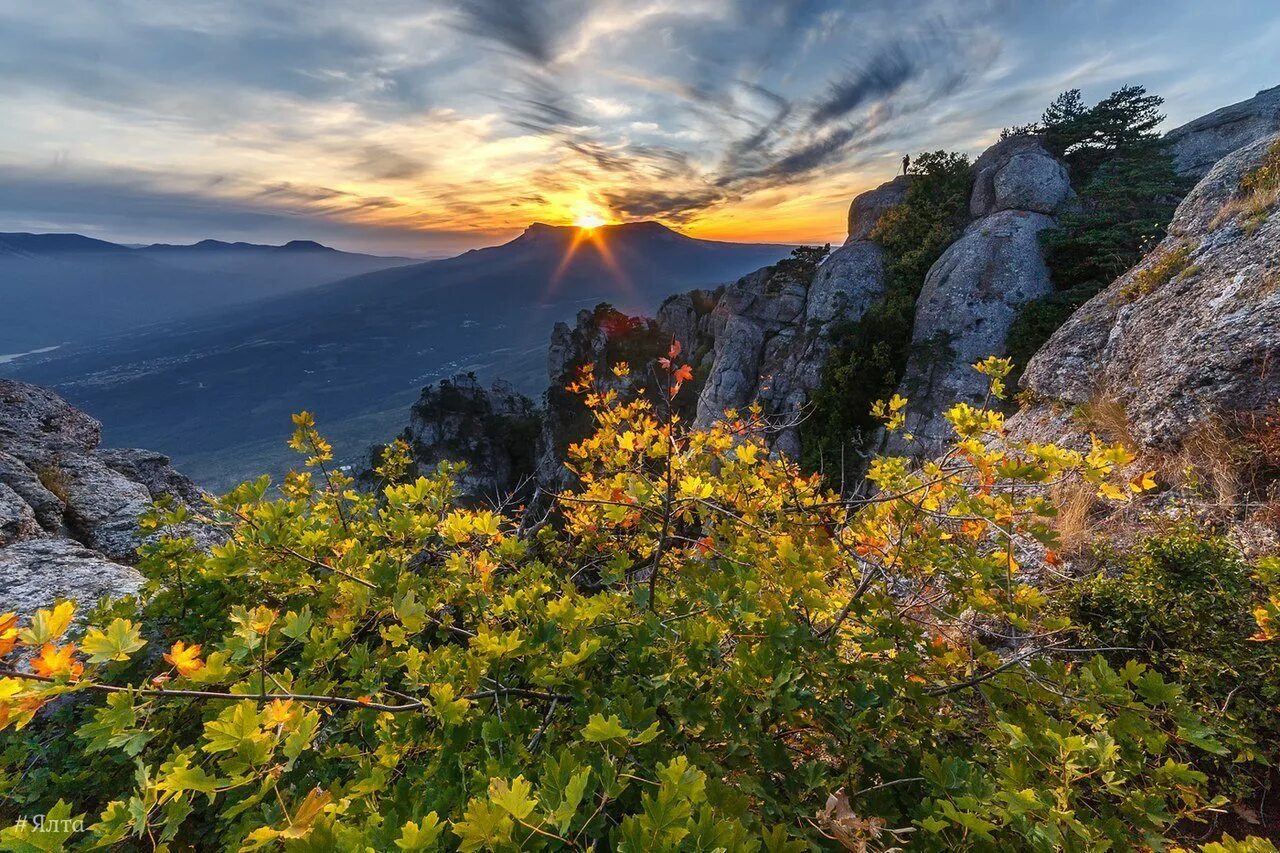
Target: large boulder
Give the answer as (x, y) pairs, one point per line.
(865, 210)
(1017, 173)
(40, 572)
(1190, 333)
(154, 471)
(1198, 145)
(36, 424)
(103, 506)
(968, 303)
(973, 292)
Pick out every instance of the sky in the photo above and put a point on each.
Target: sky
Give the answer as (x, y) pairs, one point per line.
(428, 127)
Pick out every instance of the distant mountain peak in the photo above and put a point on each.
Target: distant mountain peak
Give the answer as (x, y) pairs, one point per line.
(222, 245)
(306, 246)
(27, 243)
(565, 233)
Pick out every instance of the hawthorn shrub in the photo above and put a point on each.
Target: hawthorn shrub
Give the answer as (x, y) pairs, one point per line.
(1182, 602)
(705, 650)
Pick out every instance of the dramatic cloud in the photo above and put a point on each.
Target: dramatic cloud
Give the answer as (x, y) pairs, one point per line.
(421, 127)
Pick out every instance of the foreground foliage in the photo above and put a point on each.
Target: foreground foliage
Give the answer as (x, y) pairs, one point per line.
(706, 650)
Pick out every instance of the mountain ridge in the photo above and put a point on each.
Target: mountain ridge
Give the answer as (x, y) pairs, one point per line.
(363, 346)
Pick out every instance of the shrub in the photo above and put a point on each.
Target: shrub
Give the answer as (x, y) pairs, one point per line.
(708, 651)
(799, 268)
(1258, 194)
(1184, 604)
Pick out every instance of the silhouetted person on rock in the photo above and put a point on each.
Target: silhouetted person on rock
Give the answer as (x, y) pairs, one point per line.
(906, 163)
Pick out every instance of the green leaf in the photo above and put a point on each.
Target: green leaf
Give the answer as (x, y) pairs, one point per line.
(177, 775)
(482, 825)
(121, 639)
(600, 729)
(296, 625)
(515, 798)
(235, 727)
(563, 814)
(646, 735)
(411, 612)
(416, 837)
(42, 833)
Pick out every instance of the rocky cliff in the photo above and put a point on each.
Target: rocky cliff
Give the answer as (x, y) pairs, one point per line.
(1186, 333)
(491, 430)
(1192, 334)
(1199, 144)
(771, 330)
(972, 293)
(68, 508)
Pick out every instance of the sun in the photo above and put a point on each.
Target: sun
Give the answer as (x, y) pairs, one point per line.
(589, 221)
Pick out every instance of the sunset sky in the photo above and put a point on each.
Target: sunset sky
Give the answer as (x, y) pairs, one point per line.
(425, 128)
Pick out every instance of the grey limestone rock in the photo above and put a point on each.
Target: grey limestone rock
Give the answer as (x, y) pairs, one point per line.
(1178, 342)
(969, 301)
(1198, 145)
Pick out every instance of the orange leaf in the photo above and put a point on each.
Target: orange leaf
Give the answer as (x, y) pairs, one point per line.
(186, 659)
(675, 349)
(54, 661)
(684, 373)
(8, 633)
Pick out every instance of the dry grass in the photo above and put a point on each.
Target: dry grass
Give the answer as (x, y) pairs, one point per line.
(1106, 416)
(1075, 503)
(1172, 264)
(55, 481)
(1258, 195)
(1208, 460)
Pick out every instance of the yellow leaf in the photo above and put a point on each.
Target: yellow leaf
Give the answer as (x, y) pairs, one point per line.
(48, 625)
(8, 633)
(1112, 492)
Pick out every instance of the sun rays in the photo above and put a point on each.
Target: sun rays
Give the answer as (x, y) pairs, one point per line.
(590, 235)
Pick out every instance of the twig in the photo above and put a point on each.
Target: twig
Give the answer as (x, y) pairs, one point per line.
(335, 701)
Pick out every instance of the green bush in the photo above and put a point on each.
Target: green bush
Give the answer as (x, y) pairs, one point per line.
(1184, 603)
(705, 651)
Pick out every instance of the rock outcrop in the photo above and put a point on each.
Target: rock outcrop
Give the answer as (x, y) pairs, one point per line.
(867, 208)
(69, 509)
(1190, 334)
(772, 329)
(972, 293)
(602, 337)
(492, 430)
(1198, 145)
(1018, 174)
